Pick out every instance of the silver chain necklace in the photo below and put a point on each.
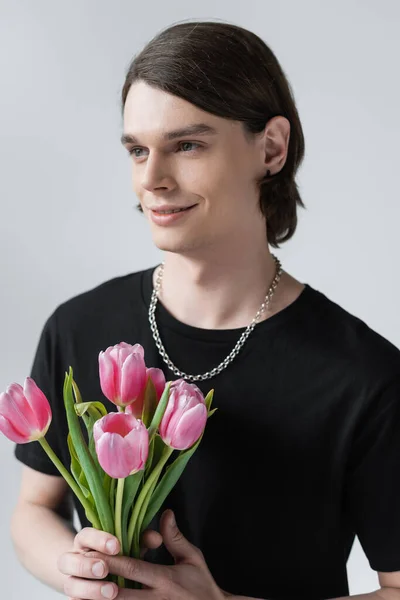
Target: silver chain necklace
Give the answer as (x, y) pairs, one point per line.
(239, 344)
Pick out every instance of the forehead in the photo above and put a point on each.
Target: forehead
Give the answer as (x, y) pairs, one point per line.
(149, 111)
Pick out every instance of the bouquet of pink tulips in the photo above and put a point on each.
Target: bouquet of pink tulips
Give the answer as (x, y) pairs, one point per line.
(118, 472)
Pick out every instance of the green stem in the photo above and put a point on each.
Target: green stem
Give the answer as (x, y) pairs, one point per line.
(141, 516)
(112, 493)
(118, 510)
(71, 482)
(143, 494)
(118, 523)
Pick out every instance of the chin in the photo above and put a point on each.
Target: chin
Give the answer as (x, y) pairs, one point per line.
(166, 243)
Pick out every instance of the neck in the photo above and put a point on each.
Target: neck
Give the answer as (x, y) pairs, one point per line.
(223, 293)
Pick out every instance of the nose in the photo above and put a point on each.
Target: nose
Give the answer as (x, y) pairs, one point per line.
(157, 174)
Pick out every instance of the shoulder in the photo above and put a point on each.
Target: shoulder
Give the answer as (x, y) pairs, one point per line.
(345, 338)
(108, 301)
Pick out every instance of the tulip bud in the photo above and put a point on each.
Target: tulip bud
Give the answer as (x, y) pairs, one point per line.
(122, 373)
(185, 417)
(122, 444)
(158, 378)
(25, 413)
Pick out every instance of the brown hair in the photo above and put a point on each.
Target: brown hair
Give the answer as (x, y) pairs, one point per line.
(230, 72)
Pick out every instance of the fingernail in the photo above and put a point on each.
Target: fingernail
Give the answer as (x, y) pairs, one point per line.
(111, 546)
(98, 569)
(172, 521)
(107, 590)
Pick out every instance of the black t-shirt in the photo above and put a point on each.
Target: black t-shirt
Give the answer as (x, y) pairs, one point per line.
(302, 454)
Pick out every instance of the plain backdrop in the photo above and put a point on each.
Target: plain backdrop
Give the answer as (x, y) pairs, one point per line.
(68, 220)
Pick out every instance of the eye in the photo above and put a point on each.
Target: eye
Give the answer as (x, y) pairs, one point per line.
(135, 152)
(189, 144)
(186, 147)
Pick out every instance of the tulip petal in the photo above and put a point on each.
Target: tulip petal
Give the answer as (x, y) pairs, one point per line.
(158, 378)
(138, 440)
(97, 430)
(113, 454)
(133, 378)
(178, 410)
(106, 369)
(165, 421)
(39, 404)
(190, 428)
(11, 433)
(136, 408)
(15, 408)
(122, 444)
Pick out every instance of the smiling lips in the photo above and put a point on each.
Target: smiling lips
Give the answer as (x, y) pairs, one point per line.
(166, 210)
(166, 215)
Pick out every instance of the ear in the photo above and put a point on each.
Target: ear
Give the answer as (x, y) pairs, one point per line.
(276, 138)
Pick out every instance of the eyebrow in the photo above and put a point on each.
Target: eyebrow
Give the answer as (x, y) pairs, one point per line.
(195, 129)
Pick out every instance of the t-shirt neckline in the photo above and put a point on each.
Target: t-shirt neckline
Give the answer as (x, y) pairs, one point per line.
(166, 319)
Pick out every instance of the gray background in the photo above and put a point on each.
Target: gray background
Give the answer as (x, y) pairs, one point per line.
(67, 218)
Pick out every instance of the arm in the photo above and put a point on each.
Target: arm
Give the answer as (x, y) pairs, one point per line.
(41, 525)
(385, 592)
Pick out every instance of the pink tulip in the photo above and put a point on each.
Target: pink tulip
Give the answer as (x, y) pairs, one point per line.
(158, 378)
(185, 416)
(25, 413)
(122, 373)
(122, 444)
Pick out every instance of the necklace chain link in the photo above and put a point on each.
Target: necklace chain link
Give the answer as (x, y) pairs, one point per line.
(216, 370)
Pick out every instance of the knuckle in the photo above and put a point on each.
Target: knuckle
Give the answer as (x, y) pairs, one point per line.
(177, 536)
(132, 568)
(81, 568)
(92, 554)
(169, 580)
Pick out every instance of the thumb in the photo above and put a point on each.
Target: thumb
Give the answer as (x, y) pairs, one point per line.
(177, 545)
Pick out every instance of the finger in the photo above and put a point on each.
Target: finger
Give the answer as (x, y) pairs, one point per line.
(79, 565)
(90, 590)
(90, 538)
(176, 543)
(152, 575)
(125, 594)
(150, 540)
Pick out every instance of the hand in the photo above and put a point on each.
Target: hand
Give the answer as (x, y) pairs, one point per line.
(188, 579)
(78, 564)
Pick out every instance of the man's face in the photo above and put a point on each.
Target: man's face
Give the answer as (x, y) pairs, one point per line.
(213, 172)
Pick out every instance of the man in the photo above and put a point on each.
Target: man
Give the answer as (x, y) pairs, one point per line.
(304, 451)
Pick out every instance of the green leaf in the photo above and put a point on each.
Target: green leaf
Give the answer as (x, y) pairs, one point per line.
(95, 409)
(90, 413)
(168, 481)
(131, 487)
(157, 448)
(113, 485)
(77, 472)
(150, 402)
(81, 480)
(84, 456)
(149, 460)
(208, 399)
(172, 473)
(158, 415)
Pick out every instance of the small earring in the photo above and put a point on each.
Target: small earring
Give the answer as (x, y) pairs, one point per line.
(268, 174)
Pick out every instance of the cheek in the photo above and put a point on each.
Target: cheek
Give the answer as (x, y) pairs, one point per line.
(214, 180)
